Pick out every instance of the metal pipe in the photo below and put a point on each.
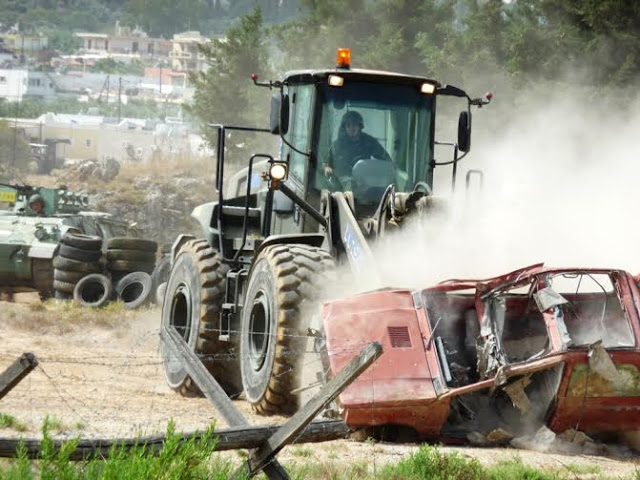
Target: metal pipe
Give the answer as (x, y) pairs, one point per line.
(246, 203)
(307, 207)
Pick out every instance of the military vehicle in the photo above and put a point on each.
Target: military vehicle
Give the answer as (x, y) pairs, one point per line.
(241, 296)
(28, 241)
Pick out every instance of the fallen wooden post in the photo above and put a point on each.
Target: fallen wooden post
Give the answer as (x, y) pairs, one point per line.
(16, 372)
(213, 391)
(235, 438)
(266, 453)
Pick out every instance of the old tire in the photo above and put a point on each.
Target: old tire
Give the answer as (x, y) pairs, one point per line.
(42, 274)
(58, 295)
(131, 243)
(131, 255)
(161, 272)
(134, 290)
(159, 293)
(71, 265)
(83, 242)
(192, 305)
(65, 287)
(282, 292)
(130, 266)
(68, 276)
(89, 256)
(93, 291)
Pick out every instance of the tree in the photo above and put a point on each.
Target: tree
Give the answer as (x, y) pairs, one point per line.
(14, 152)
(224, 93)
(166, 17)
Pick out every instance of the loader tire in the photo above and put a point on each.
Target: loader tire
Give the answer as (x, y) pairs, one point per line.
(192, 305)
(89, 256)
(132, 243)
(282, 293)
(83, 242)
(68, 264)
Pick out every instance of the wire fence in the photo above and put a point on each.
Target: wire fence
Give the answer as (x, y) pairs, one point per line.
(112, 386)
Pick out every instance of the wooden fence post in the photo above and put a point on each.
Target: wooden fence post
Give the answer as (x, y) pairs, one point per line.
(16, 372)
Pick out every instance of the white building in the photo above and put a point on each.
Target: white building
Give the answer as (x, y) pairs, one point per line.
(15, 84)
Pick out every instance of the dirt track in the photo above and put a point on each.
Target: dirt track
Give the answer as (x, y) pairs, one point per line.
(106, 380)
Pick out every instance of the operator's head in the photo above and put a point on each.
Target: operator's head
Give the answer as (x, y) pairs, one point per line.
(353, 123)
(36, 203)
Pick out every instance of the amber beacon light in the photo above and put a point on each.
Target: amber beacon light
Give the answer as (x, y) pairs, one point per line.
(344, 58)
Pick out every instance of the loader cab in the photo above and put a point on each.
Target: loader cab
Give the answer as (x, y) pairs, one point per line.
(395, 144)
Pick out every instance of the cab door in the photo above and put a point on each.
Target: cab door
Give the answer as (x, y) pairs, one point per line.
(288, 217)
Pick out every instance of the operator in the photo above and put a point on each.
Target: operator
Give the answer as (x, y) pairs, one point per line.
(36, 203)
(352, 145)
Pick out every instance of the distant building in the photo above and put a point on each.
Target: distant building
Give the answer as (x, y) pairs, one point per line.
(92, 137)
(125, 41)
(16, 84)
(185, 56)
(25, 45)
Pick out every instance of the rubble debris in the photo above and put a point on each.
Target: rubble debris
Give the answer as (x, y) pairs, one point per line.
(495, 438)
(516, 393)
(542, 441)
(104, 170)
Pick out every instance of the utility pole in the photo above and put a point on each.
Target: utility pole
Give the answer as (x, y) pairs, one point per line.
(119, 98)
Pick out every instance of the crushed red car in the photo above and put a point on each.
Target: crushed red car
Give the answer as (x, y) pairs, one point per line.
(539, 346)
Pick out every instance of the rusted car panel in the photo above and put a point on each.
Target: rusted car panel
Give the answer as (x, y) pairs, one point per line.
(554, 346)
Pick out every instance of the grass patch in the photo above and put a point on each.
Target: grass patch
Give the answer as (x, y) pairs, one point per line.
(61, 317)
(9, 421)
(428, 463)
(582, 469)
(302, 451)
(515, 469)
(329, 470)
(178, 459)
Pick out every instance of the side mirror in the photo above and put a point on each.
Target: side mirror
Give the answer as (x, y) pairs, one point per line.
(464, 131)
(279, 115)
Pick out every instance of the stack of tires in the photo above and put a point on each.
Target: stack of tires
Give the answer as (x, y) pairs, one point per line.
(130, 262)
(78, 256)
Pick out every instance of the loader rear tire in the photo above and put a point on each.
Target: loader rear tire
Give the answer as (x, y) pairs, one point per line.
(192, 305)
(283, 291)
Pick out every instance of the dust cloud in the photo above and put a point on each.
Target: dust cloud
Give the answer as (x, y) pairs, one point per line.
(560, 187)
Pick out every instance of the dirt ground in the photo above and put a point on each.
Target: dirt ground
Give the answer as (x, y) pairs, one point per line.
(101, 376)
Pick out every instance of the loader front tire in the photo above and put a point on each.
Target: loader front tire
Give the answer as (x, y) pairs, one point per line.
(192, 305)
(283, 291)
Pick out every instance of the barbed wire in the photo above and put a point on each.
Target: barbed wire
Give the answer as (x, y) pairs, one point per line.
(67, 386)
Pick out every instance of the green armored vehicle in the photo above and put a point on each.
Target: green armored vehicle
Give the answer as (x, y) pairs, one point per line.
(32, 223)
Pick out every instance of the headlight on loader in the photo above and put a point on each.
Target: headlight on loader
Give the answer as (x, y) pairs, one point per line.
(278, 171)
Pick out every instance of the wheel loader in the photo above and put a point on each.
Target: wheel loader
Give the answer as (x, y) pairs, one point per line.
(242, 294)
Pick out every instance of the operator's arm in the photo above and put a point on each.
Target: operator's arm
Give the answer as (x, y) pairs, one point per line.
(378, 150)
(328, 163)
